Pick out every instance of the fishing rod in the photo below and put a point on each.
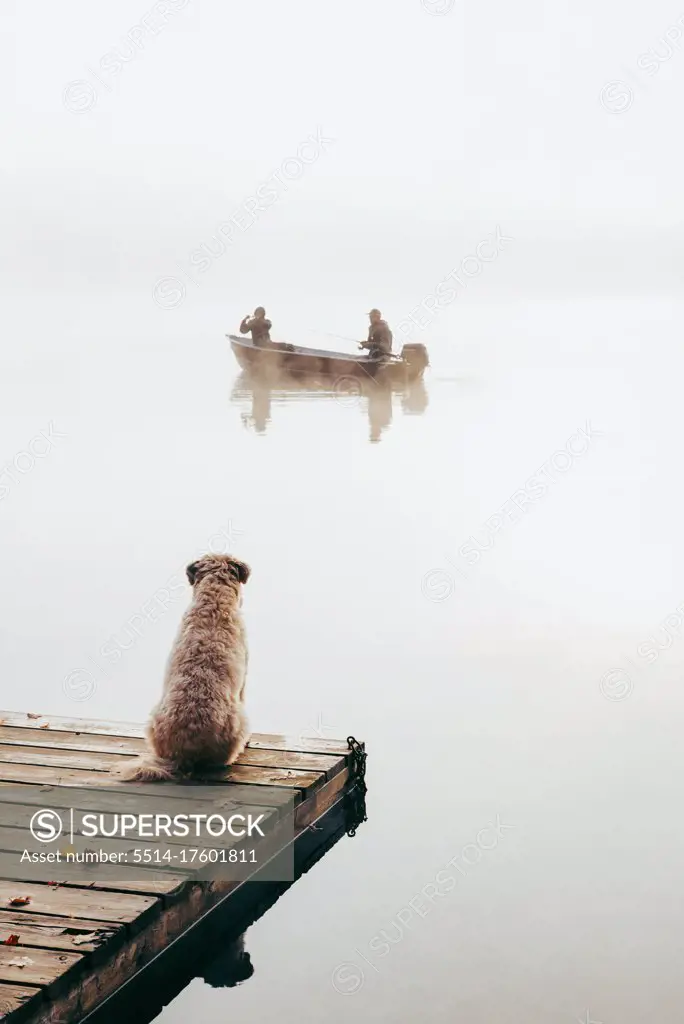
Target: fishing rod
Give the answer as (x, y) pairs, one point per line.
(393, 356)
(329, 334)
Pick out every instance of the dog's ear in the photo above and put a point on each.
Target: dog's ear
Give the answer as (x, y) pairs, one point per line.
(191, 572)
(243, 570)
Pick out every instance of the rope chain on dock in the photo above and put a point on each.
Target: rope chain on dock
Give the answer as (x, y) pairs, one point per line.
(358, 794)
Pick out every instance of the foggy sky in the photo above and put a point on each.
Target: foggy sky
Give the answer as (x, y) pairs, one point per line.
(551, 121)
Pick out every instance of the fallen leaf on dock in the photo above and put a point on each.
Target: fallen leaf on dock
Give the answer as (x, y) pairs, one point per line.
(11, 940)
(21, 961)
(19, 901)
(78, 940)
(29, 715)
(45, 726)
(54, 885)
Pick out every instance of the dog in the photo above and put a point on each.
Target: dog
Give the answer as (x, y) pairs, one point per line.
(200, 721)
(230, 967)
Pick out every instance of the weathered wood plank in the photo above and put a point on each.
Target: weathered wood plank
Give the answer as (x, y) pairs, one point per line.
(307, 812)
(168, 886)
(14, 834)
(130, 876)
(14, 997)
(48, 756)
(26, 721)
(42, 775)
(63, 740)
(133, 730)
(18, 798)
(50, 932)
(125, 797)
(123, 908)
(72, 750)
(247, 774)
(306, 744)
(127, 879)
(41, 967)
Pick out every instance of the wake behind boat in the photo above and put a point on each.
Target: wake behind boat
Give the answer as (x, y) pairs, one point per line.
(297, 359)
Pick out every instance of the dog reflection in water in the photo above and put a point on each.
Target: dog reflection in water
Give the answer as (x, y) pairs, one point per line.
(230, 967)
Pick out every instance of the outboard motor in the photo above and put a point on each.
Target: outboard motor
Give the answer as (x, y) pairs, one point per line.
(415, 356)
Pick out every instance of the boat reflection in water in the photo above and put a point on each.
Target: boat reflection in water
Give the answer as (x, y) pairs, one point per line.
(374, 399)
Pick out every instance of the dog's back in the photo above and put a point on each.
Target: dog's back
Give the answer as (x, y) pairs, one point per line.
(200, 720)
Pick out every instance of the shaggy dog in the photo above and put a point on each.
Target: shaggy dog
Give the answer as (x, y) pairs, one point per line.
(200, 721)
(230, 967)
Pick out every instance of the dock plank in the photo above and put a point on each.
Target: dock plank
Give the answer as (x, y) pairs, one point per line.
(43, 775)
(146, 879)
(121, 908)
(17, 799)
(169, 885)
(109, 752)
(128, 879)
(305, 744)
(14, 997)
(252, 775)
(64, 740)
(13, 833)
(307, 812)
(61, 758)
(134, 730)
(13, 836)
(49, 932)
(138, 879)
(28, 720)
(40, 966)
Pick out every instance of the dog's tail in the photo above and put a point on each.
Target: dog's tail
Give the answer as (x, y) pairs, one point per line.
(150, 768)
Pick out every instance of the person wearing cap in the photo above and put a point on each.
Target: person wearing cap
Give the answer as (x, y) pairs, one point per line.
(379, 341)
(258, 326)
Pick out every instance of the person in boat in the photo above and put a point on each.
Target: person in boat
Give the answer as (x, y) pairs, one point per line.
(258, 326)
(379, 341)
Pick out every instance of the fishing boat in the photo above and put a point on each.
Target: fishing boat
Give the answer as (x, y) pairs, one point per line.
(281, 357)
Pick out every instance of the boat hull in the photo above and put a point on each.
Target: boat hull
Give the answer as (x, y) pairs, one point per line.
(298, 361)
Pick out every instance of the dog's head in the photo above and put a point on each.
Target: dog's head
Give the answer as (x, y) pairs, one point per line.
(225, 568)
(230, 968)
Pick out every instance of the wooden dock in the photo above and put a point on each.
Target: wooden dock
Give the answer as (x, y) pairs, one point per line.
(72, 946)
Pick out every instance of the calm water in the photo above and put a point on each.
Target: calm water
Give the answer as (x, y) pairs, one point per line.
(482, 686)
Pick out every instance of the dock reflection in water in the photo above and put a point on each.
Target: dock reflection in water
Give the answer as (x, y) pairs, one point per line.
(376, 401)
(213, 950)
